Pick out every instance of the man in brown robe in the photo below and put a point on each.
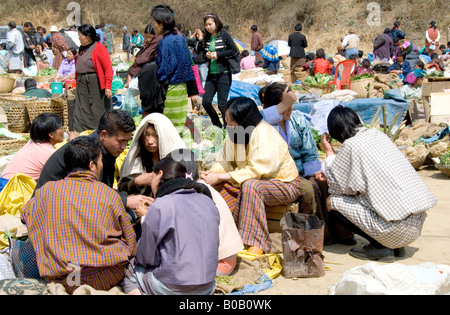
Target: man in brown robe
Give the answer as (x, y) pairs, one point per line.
(257, 45)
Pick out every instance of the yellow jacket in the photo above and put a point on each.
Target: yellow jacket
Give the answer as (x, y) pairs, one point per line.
(265, 157)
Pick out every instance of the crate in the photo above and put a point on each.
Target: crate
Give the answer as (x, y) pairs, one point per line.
(275, 214)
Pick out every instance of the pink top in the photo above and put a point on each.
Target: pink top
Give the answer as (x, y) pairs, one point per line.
(248, 63)
(29, 160)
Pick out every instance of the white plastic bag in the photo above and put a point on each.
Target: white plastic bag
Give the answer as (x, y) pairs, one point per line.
(394, 279)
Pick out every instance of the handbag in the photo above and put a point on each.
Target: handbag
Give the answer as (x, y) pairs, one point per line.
(23, 256)
(302, 240)
(235, 64)
(194, 87)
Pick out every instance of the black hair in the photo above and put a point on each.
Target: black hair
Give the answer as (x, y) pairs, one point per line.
(219, 25)
(73, 51)
(146, 156)
(189, 159)
(89, 31)
(254, 28)
(171, 169)
(420, 64)
(366, 63)
(164, 15)
(402, 53)
(442, 47)
(43, 125)
(29, 83)
(2, 46)
(245, 53)
(320, 53)
(396, 40)
(434, 56)
(298, 27)
(433, 24)
(12, 24)
(115, 121)
(149, 29)
(80, 152)
(360, 53)
(342, 123)
(310, 56)
(353, 57)
(396, 24)
(27, 24)
(240, 108)
(387, 31)
(273, 94)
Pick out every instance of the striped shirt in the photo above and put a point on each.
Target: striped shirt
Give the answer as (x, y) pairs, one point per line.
(78, 221)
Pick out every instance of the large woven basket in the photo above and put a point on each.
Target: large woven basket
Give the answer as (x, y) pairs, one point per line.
(10, 146)
(7, 84)
(48, 78)
(360, 87)
(445, 169)
(16, 113)
(37, 106)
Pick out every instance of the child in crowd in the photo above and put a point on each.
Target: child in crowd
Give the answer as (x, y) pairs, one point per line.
(365, 67)
(247, 61)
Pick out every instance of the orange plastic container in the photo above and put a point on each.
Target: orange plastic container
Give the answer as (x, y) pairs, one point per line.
(70, 84)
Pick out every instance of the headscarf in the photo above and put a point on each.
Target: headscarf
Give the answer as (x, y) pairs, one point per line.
(406, 45)
(413, 75)
(169, 140)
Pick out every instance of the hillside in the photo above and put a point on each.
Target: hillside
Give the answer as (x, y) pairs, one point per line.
(325, 22)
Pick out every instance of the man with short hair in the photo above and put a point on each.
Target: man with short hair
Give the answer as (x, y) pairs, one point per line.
(29, 40)
(16, 48)
(126, 46)
(31, 90)
(256, 45)
(78, 226)
(297, 41)
(114, 131)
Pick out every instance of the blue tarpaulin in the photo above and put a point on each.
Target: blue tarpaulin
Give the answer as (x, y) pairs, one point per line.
(366, 108)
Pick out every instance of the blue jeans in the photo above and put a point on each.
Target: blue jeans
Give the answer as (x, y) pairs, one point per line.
(351, 52)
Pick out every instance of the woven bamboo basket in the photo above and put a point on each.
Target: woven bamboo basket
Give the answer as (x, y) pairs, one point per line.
(48, 78)
(7, 84)
(37, 106)
(360, 87)
(445, 169)
(16, 113)
(10, 146)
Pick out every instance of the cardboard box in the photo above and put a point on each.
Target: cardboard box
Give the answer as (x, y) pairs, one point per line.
(441, 119)
(439, 104)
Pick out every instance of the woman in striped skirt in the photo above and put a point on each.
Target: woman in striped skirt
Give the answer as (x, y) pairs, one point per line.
(254, 170)
(174, 65)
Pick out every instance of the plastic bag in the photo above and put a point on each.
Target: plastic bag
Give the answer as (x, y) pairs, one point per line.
(394, 279)
(130, 105)
(16, 194)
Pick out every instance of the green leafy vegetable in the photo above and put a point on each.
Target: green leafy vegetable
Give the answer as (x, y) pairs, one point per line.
(47, 72)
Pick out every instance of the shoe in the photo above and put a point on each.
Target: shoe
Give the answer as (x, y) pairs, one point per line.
(369, 252)
(400, 252)
(348, 241)
(255, 251)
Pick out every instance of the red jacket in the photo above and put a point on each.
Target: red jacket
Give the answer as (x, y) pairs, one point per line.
(322, 66)
(102, 65)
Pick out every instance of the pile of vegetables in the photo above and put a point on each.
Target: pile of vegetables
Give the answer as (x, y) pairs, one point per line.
(318, 79)
(436, 74)
(47, 72)
(445, 159)
(362, 76)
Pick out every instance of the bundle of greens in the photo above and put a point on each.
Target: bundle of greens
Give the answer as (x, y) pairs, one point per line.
(445, 159)
(318, 79)
(47, 72)
(362, 76)
(436, 74)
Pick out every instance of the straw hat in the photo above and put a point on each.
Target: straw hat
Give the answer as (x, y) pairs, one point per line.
(53, 28)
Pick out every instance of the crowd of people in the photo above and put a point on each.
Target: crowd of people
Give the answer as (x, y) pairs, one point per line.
(167, 228)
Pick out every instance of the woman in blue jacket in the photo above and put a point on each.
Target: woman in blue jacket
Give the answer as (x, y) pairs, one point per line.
(174, 65)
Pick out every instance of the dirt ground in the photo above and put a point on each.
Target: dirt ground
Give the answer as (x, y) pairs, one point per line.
(432, 246)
